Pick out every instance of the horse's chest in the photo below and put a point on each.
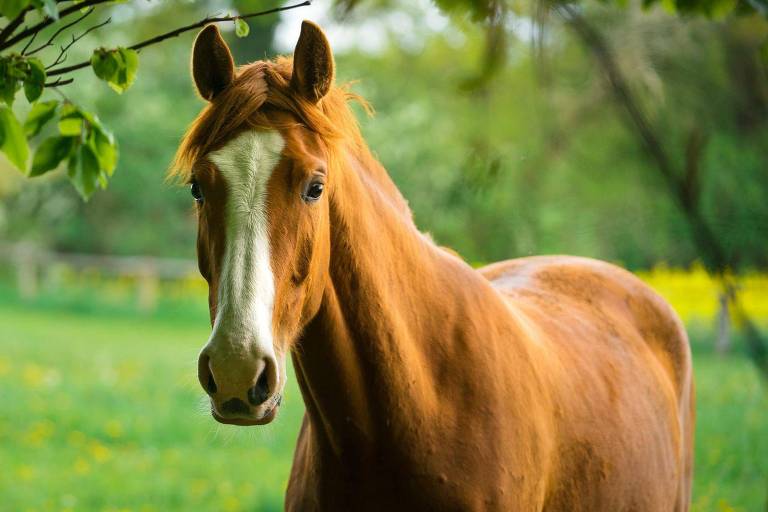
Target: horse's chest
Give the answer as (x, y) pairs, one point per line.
(415, 473)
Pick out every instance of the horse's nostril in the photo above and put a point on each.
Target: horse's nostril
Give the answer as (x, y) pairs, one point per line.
(260, 392)
(205, 375)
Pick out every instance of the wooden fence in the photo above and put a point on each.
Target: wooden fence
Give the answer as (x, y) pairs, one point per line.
(692, 292)
(35, 267)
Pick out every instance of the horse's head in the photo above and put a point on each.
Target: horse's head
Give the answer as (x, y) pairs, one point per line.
(258, 160)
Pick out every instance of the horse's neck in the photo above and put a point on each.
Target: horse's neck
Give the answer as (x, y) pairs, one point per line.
(396, 315)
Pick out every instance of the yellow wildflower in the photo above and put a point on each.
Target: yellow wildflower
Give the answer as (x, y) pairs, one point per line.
(81, 466)
(113, 428)
(99, 452)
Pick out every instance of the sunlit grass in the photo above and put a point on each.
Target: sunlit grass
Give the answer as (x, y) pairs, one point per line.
(102, 413)
(731, 472)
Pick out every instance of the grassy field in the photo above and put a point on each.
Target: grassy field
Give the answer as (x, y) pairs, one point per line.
(102, 411)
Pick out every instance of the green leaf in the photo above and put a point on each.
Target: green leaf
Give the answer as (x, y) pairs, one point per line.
(241, 28)
(9, 77)
(34, 83)
(669, 6)
(103, 180)
(70, 120)
(104, 63)
(14, 143)
(105, 149)
(50, 154)
(117, 67)
(8, 87)
(127, 72)
(94, 120)
(83, 171)
(719, 9)
(70, 110)
(12, 8)
(38, 116)
(71, 126)
(48, 7)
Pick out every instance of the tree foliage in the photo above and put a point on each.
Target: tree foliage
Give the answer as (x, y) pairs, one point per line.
(80, 140)
(534, 161)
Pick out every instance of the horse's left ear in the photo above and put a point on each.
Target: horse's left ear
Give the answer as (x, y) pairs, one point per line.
(312, 63)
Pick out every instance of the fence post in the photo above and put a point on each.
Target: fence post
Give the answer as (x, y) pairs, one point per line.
(148, 286)
(723, 342)
(26, 273)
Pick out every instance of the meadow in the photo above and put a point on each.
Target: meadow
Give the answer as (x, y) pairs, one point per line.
(506, 136)
(100, 410)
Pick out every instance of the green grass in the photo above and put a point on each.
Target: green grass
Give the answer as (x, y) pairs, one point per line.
(102, 411)
(105, 413)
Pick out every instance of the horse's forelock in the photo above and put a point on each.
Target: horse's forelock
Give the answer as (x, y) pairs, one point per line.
(260, 84)
(221, 118)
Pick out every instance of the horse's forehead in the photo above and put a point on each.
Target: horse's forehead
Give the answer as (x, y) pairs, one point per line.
(246, 164)
(249, 155)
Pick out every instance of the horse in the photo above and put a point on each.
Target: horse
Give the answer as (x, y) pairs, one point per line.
(548, 383)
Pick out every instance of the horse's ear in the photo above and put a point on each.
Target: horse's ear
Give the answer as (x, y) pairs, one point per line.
(212, 65)
(312, 63)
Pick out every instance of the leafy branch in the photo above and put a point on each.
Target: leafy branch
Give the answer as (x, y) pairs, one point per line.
(181, 30)
(80, 138)
(64, 49)
(46, 22)
(61, 29)
(14, 24)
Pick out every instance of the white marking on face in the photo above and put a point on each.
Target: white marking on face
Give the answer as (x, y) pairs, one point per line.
(246, 290)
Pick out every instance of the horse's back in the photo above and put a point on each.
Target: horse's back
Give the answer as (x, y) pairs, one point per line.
(618, 351)
(584, 287)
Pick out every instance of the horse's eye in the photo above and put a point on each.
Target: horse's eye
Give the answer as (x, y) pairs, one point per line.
(194, 188)
(313, 192)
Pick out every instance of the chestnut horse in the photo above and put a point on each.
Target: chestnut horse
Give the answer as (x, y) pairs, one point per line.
(550, 383)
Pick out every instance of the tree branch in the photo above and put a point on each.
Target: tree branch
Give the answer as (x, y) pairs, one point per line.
(206, 21)
(679, 184)
(64, 49)
(59, 81)
(49, 21)
(29, 43)
(709, 245)
(181, 30)
(693, 151)
(13, 24)
(59, 31)
(596, 43)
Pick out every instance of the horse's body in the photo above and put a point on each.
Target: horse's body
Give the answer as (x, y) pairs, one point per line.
(558, 383)
(539, 384)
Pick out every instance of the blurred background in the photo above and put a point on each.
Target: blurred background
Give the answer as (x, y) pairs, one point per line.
(506, 139)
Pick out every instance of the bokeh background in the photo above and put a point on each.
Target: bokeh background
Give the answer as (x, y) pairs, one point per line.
(102, 311)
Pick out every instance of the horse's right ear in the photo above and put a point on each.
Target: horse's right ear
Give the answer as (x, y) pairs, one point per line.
(212, 65)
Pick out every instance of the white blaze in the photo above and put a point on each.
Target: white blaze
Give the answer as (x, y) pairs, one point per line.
(246, 289)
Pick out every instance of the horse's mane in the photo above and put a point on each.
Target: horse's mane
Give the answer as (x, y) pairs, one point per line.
(245, 103)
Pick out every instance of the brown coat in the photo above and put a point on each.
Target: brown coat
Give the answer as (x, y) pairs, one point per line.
(539, 384)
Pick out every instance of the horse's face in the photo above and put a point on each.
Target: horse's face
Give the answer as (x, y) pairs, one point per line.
(263, 235)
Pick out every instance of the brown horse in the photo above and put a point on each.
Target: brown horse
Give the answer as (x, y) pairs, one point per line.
(549, 383)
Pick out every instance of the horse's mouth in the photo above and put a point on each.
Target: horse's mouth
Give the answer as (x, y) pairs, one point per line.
(245, 421)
